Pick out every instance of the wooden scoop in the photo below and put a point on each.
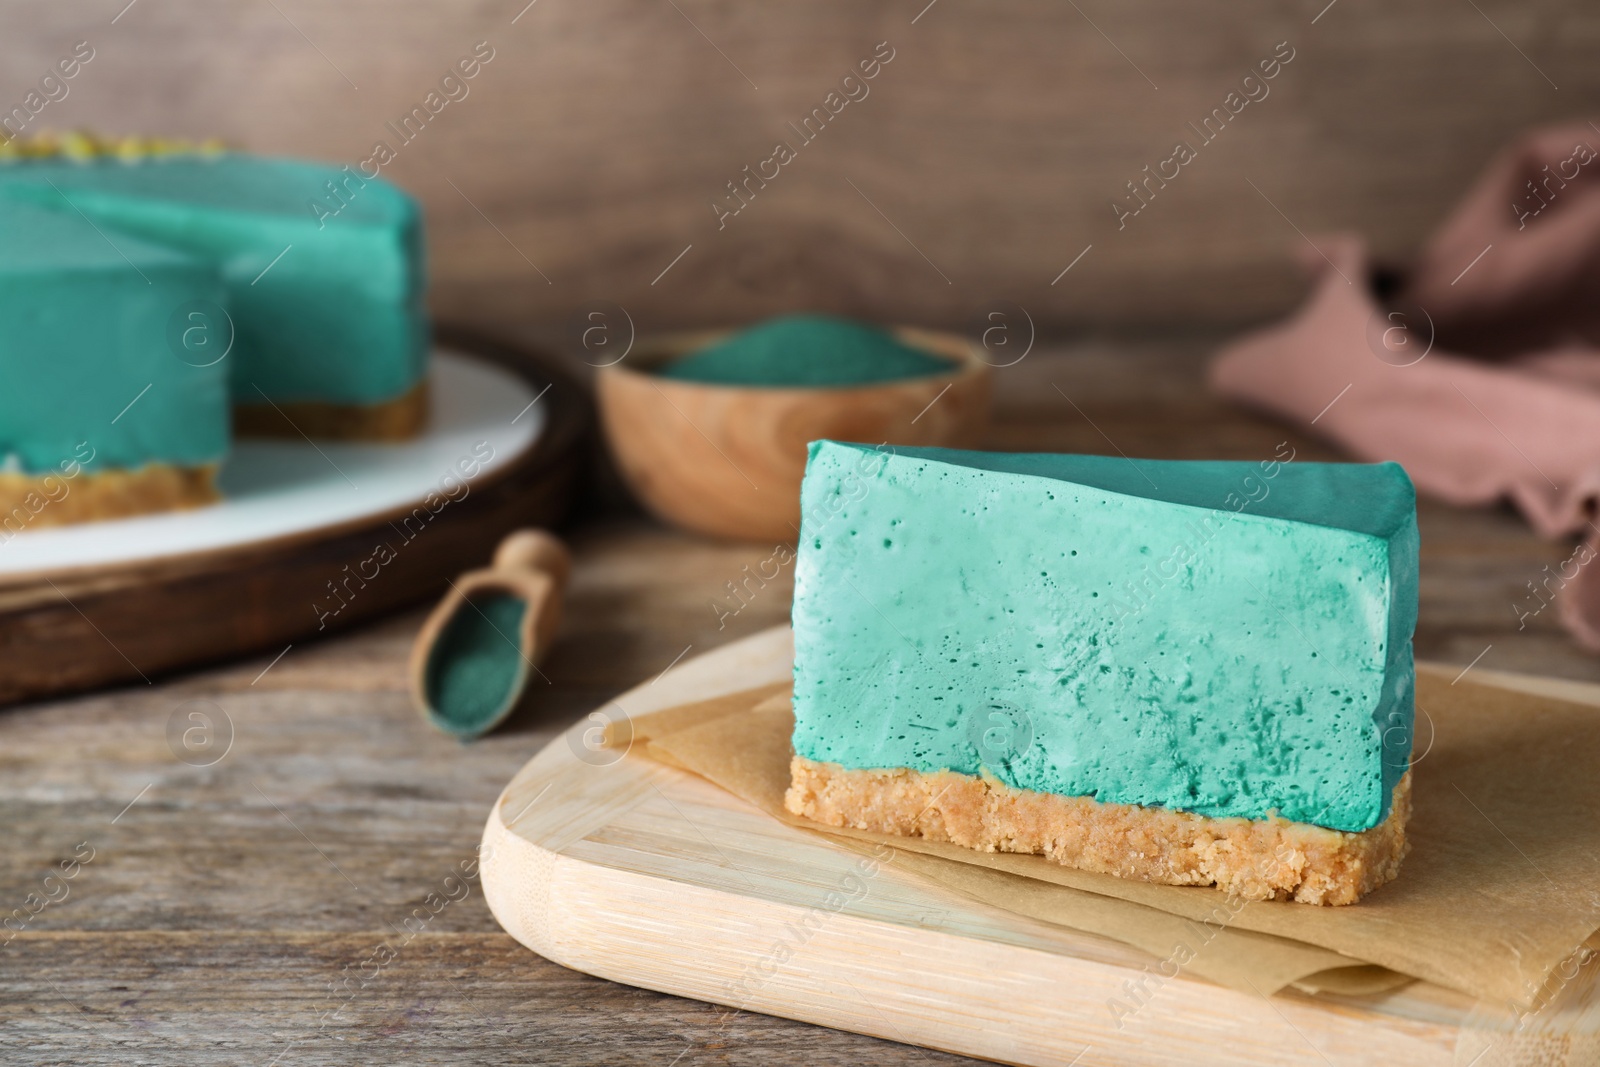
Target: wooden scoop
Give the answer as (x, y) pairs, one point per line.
(474, 656)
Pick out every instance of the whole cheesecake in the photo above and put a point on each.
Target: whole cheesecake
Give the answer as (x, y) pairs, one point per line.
(290, 292)
(1196, 673)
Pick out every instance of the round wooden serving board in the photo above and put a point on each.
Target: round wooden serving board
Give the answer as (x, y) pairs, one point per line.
(618, 866)
(69, 626)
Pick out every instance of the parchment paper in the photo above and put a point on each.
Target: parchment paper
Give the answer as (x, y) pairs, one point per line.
(1501, 885)
(741, 743)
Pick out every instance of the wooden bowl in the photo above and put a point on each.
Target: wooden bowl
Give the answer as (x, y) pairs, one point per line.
(727, 460)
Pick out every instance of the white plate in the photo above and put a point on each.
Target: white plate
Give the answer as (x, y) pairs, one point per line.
(280, 488)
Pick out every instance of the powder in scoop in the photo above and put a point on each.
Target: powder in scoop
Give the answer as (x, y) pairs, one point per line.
(475, 663)
(807, 351)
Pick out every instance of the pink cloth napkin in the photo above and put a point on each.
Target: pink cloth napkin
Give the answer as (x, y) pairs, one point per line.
(1483, 377)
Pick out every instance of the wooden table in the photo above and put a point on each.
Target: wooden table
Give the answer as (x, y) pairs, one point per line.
(234, 913)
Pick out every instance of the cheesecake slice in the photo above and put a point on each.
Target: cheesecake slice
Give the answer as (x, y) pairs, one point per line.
(98, 417)
(322, 267)
(1196, 673)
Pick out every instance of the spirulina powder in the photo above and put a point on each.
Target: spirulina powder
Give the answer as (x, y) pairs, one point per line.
(475, 663)
(807, 352)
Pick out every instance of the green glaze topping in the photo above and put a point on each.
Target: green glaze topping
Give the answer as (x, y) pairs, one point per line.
(1231, 639)
(808, 352)
(476, 664)
(82, 145)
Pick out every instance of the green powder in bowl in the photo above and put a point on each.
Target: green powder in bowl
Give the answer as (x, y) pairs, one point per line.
(807, 352)
(476, 663)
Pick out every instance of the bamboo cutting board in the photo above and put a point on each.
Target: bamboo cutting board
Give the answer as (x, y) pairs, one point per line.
(623, 868)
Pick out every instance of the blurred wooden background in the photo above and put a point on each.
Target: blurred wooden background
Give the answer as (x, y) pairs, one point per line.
(983, 162)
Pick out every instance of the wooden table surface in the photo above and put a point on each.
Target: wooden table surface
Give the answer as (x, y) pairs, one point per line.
(236, 913)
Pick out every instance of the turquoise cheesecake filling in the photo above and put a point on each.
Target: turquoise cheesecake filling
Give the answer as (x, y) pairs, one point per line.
(1223, 638)
(325, 306)
(88, 377)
